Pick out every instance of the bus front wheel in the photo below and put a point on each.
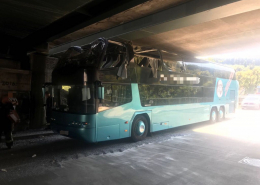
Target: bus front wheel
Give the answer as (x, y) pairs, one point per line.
(139, 128)
(213, 115)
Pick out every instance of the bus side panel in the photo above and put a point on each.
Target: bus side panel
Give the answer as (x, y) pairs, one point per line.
(110, 132)
(111, 124)
(191, 113)
(226, 92)
(171, 116)
(118, 118)
(196, 113)
(121, 116)
(160, 118)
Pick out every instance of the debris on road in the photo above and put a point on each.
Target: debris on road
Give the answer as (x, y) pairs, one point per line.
(3, 170)
(34, 156)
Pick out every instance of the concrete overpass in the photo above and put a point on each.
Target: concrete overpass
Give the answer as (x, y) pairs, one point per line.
(197, 27)
(34, 30)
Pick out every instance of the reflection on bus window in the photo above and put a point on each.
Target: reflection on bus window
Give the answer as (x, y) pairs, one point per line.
(66, 88)
(74, 99)
(156, 95)
(204, 68)
(171, 61)
(171, 65)
(115, 95)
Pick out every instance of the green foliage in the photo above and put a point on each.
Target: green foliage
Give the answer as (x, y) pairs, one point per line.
(247, 71)
(242, 67)
(215, 60)
(249, 79)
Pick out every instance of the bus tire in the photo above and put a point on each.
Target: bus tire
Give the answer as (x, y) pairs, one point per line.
(213, 115)
(221, 114)
(139, 128)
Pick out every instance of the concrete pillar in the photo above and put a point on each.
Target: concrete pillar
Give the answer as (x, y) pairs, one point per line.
(41, 67)
(38, 79)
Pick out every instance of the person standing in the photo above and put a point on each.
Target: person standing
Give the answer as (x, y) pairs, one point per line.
(6, 108)
(48, 109)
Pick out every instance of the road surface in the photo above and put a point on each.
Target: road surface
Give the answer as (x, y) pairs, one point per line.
(222, 153)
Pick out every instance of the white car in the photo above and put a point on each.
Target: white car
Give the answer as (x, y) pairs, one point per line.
(252, 102)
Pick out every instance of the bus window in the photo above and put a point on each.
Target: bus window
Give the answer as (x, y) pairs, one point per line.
(111, 61)
(144, 62)
(171, 65)
(232, 95)
(156, 95)
(172, 61)
(115, 95)
(208, 94)
(115, 55)
(200, 69)
(74, 98)
(208, 81)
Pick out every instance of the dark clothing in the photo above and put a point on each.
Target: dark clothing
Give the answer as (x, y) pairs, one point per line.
(4, 111)
(8, 137)
(49, 102)
(48, 109)
(5, 123)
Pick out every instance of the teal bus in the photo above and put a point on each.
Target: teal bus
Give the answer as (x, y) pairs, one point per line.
(110, 90)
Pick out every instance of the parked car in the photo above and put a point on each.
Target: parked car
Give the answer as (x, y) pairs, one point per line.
(251, 101)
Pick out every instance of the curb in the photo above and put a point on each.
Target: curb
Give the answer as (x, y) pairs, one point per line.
(32, 136)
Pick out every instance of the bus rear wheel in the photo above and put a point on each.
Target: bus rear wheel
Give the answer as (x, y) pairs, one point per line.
(221, 114)
(213, 115)
(139, 128)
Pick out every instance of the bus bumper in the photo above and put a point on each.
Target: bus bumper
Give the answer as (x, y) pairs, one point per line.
(86, 134)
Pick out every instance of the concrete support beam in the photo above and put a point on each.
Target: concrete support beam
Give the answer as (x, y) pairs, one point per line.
(41, 67)
(38, 78)
(188, 14)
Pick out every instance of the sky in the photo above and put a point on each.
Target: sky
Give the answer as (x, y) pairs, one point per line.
(253, 53)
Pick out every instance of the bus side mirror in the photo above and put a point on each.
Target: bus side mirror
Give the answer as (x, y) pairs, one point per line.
(101, 91)
(85, 93)
(43, 93)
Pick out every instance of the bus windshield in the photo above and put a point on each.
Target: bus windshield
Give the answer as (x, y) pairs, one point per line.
(74, 98)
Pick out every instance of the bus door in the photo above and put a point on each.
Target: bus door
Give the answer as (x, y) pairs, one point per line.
(232, 104)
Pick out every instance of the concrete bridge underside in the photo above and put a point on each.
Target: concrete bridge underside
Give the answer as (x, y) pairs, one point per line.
(197, 27)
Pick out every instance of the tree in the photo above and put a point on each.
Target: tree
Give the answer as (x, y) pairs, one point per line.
(249, 79)
(247, 71)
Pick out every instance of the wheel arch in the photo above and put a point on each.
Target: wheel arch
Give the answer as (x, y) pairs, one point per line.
(217, 107)
(214, 107)
(146, 114)
(224, 109)
(225, 106)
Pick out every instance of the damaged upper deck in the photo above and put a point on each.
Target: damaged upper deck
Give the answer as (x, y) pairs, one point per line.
(112, 61)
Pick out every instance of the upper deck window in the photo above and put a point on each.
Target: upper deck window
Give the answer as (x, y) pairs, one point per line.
(204, 68)
(115, 55)
(172, 62)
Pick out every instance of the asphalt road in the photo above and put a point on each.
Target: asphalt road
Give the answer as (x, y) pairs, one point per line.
(222, 153)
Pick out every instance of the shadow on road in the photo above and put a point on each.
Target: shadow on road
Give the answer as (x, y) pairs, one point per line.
(52, 149)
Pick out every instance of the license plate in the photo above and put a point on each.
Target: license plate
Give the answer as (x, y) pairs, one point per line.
(62, 132)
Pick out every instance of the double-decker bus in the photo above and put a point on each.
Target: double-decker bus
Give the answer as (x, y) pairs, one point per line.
(109, 90)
